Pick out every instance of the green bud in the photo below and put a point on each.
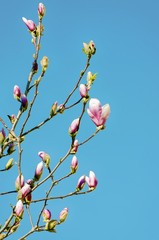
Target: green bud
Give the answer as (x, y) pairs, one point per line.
(50, 225)
(9, 164)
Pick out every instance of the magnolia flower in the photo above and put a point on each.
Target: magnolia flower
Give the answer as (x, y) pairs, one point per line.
(30, 24)
(91, 180)
(74, 147)
(74, 127)
(83, 90)
(24, 102)
(24, 191)
(46, 215)
(81, 183)
(45, 157)
(63, 215)
(19, 209)
(74, 164)
(16, 92)
(19, 182)
(97, 113)
(38, 171)
(41, 9)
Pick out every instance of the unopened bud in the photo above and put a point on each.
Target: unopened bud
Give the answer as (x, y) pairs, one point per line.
(41, 10)
(74, 164)
(46, 215)
(16, 92)
(45, 157)
(74, 147)
(24, 102)
(9, 164)
(10, 148)
(30, 24)
(19, 209)
(2, 136)
(53, 110)
(24, 191)
(63, 215)
(83, 90)
(19, 182)
(38, 171)
(50, 225)
(89, 49)
(44, 63)
(73, 129)
(81, 183)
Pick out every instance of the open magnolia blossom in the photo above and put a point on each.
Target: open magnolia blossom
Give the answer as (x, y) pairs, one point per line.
(91, 180)
(97, 113)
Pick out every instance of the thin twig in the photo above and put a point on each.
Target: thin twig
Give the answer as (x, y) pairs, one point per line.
(93, 135)
(62, 197)
(77, 84)
(7, 223)
(29, 214)
(37, 127)
(52, 172)
(5, 193)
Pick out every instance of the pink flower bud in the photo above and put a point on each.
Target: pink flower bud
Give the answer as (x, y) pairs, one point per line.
(19, 209)
(16, 92)
(38, 171)
(92, 180)
(41, 9)
(46, 215)
(30, 24)
(63, 215)
(81, 183)
(97, 113)
(2, 136)
(83, 90)
(45, 157)
(24, 102)
(74, 147)
(74, 164)
(74, 127)
(24, 191)
(19, 182)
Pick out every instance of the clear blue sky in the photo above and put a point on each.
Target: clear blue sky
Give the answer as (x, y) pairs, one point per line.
(125, 157)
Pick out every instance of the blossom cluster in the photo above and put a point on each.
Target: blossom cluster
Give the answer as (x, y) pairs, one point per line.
(11, 140)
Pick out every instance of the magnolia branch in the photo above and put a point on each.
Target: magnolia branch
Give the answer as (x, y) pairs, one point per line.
(63, 196)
